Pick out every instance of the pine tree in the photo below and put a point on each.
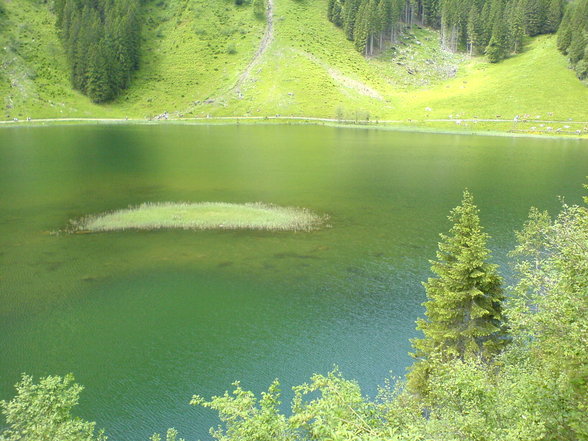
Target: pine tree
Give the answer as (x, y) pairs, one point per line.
(464, 24)
(464, 312)
(473, 30)
(494, 51)
(362, 28)
(533, 15)
(497, 47)
(553, 16)
(97, 84)
(350, 13)
(107, 30)
(577, 47)
(411, 11)
(564, 33)
(450, 24)
(517, 27)
(431, 13)
(486, 28)
(331, 9)
(372, 23)
(338, 13)
(578, 30)
(582, 66)
(543, 10)
(382, 15)
(496, 15)
(394, 14)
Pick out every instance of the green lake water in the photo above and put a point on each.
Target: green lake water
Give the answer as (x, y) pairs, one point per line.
(146, 319)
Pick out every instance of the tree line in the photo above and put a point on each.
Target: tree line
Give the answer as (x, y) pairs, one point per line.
(493, 27)
(493, 363)
(572, 37)
(101, 39)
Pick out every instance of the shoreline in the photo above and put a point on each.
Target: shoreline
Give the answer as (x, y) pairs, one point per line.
(417, 126)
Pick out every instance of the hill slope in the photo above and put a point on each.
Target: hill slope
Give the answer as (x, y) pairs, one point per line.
(194, 52)
(34, 75)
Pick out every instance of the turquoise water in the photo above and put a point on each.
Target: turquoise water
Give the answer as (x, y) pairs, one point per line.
(146, 319)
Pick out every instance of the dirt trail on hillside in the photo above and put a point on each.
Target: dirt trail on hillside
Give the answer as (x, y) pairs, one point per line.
(342, 79)
(267, 38)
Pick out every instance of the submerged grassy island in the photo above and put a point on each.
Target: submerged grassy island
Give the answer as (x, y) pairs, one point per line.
(202, 216)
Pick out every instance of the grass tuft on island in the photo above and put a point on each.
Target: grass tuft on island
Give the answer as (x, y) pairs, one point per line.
(201, 216)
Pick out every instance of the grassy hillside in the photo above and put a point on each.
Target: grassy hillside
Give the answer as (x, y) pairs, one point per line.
(536, 83)
(194, 52)
(190, 48)
(34, 76)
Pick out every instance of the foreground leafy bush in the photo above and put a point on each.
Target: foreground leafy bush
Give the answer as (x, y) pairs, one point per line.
(42, 412)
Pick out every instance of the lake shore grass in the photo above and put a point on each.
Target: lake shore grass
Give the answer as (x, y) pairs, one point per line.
(200, 216)
(503, 128)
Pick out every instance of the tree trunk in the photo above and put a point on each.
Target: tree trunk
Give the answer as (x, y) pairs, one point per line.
(453, 43)
(443, 32)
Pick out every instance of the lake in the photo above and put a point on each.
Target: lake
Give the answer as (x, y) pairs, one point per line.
(146, 319)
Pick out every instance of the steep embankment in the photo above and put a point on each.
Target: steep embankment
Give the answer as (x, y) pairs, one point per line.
(212, 57)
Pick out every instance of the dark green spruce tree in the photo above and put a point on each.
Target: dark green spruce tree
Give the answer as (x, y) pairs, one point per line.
(362, 28)
(572, 37)
(553, 16)
(101, 40)
(517, 26)
(465, 25)
(533, 17)
(474, 30)
(350, 13)
(497, 48)
(331, 10)
(564, 33)
(464, 310)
